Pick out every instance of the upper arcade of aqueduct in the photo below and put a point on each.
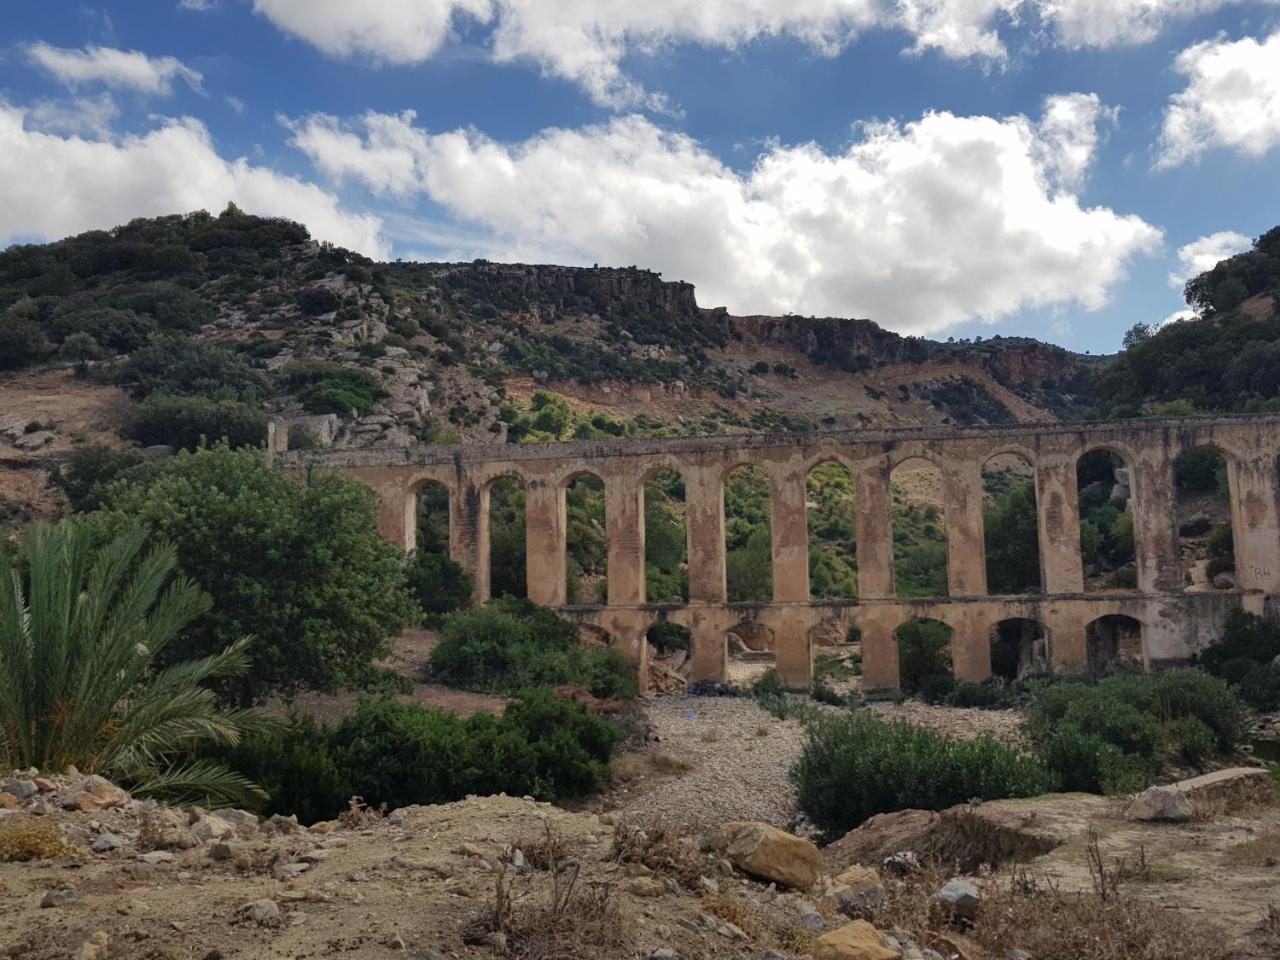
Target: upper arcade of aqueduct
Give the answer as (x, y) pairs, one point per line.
(1175, 623)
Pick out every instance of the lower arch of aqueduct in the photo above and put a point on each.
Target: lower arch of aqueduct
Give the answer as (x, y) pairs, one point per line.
(1175, 624)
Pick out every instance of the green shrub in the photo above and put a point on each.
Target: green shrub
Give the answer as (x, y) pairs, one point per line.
(85, 474)
(770, 694)
(936, 688)
(296, 768)
(439, 584)
(510, 645)
(329, 388)
(854, 766)
(1119, 734)
(1222, 542)
(186, 423)
(182, 368)
(21, 343)
(984, 696)
(824, 694)
(923, 651)
(1126, 578)
(667, 636)
(314, 301)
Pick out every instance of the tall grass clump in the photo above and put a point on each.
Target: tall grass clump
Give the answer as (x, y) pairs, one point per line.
(81, 629)
(854, 766)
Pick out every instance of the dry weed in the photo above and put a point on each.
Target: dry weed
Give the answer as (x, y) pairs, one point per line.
(740, 914)
(667, 765)
(25, 838)
(659, 847)
(544, 850)
(360, 814)
(1263, 851)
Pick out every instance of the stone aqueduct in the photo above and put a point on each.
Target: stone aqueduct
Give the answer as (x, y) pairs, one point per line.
(1174, 623)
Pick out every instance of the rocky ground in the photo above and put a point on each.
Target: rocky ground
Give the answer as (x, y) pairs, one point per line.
(111, 876)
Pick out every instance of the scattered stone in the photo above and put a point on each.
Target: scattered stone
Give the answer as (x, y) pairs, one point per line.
(8, 801)
(59, 898)
(646, 887)
(97, 947)
(811, 918)
(289, 871)
(469, 850)
(212, 827)
(264, 912)
(959, 898)
(394, 941)
(44, 784)
(35, 440)
(106, 842)
(956, 945)
(854, 941)
(222, 851)
(771, 854)
(104, 792)
(1159, 803)
(15, 949)
(662, 953)
(857, 889)
(19, 788)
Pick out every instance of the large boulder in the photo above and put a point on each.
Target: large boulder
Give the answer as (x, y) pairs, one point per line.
(856, 890)
(959, 898)
(854, 941)
(1160, 803)
(770, 854)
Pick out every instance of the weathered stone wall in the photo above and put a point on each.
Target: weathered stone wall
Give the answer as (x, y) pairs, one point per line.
(1175, 624)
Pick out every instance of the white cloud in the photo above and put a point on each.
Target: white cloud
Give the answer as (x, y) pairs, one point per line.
(196, 6)
(586, 41)
(920, 226)
(91, 116)
(1206, 253)
(391, 31)
(52, 186)
(1232, 100)
(125, 69)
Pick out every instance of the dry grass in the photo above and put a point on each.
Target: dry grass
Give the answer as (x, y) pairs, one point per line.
(24, 838)
(1086, 927)
(740, 914)
(1263, 851)
(1249, 798)
(660, 848)
(667, 765)
(571, 921)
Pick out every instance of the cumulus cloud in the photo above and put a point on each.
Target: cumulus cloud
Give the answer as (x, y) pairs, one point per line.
(124, 69)
(586, 41)
(52, 185)
(92, 116)
(921, 225)
(1232, 100)
(1206, 253)
(390, 31)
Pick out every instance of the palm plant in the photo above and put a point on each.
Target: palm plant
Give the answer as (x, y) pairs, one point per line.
(81, 628)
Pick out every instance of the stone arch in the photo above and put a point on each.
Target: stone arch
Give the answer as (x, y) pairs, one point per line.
(1114, 642)
(666, 535)
(505, 514)
(1019, 646)
(1110, 557)
(748, 515)
(586, 542)
(831, 516)
(924, 652)
(1204, 506)
(919, 528)
(1011, 534)
(751, 648)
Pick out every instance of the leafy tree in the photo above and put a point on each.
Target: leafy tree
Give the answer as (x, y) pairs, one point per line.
(21, 342)
(85, 672)
(300, 568)
(189, 422)
(439, 584)
(507, 543)
(179, 367)
(85, 474)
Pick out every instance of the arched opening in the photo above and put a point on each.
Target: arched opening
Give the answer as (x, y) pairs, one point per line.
(670, 655)
(830, 511)
(924, 657)
(586, 553)
(747, 541)
(1206, 543)
(1114, 643)
(919, 530)
(1019, 648)
(507, 569)
(595, 637)
(837, 656)
(1011, 527)
(666, 543)
(432, 503)
(439, 583)
(1106, 523)
(752, 650)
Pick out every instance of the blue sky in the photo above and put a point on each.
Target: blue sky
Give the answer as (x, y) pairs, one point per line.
(945, 167)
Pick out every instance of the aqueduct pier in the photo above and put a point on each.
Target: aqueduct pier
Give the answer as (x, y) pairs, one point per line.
(1175, 623)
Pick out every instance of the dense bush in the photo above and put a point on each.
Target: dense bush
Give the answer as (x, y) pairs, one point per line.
(299, 567)
(1245, 658)
(180, 367)
(439, 584)
(87, 472)
(400, 754)
(329, 388)
(510, 645)
(1119, 734)
(854, 766)
(190, 422)
(924, 650)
